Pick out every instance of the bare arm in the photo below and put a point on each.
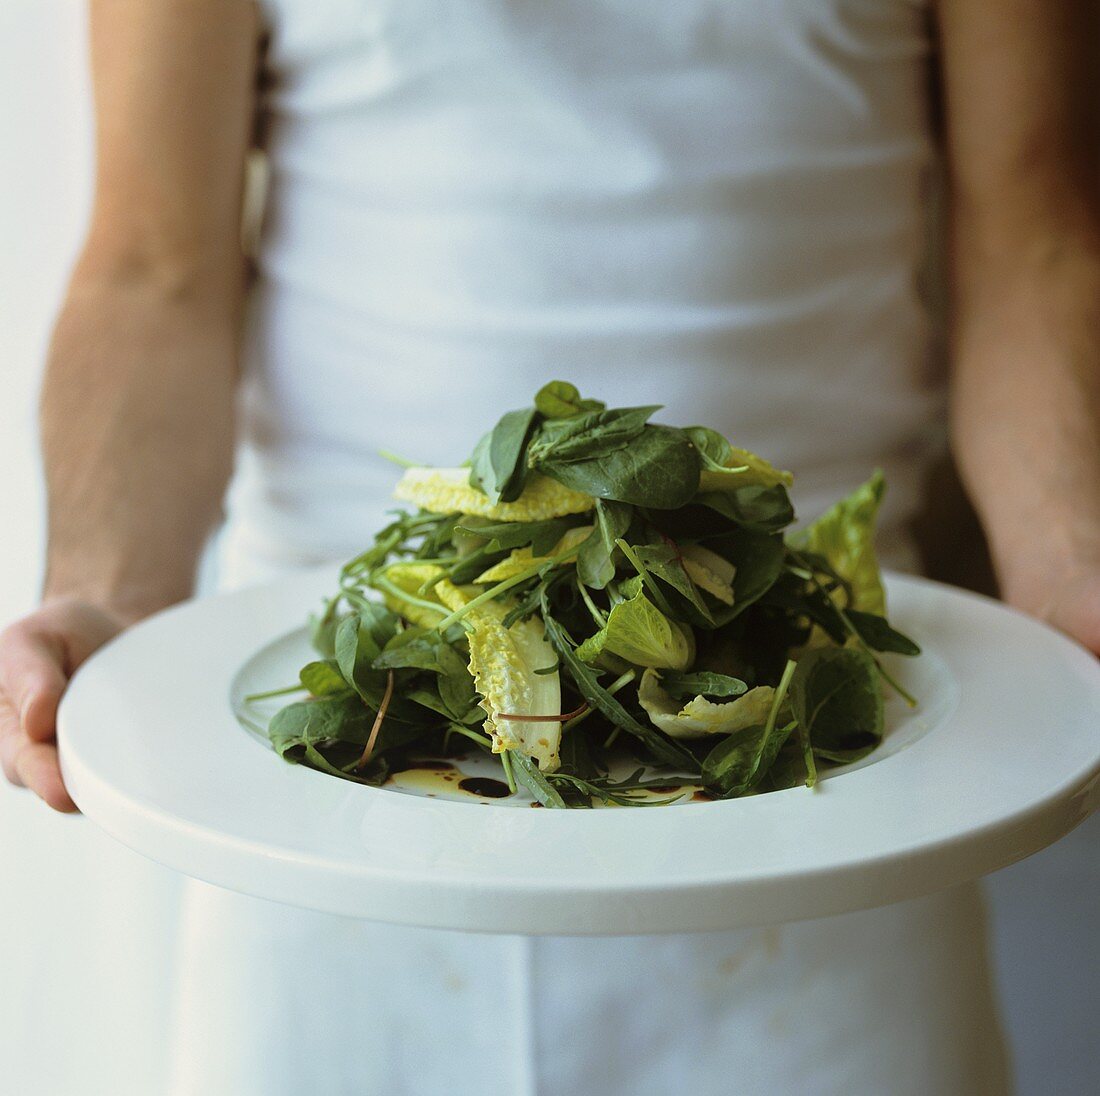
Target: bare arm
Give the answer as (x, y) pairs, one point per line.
(137, 403)
(1023, 119)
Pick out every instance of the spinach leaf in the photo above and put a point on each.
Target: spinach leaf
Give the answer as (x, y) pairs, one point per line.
(595, 559)
(758, 559)
(541, 536)
(323, 678)
(319, 721)
(379, 622)
(658, 469)
(322, 629)
(879, 636)
(761, 509)
(335, 719)
(416, 648)
(560, 399)
(584, 437)
(456, 686)
(356, 651)
(742, 759)
(498, 467)
(836, 697)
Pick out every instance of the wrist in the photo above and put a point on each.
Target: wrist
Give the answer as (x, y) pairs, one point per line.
(126, 603)
(1040, 557)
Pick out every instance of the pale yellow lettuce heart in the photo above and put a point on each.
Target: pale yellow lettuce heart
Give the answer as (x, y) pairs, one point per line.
(448, 491)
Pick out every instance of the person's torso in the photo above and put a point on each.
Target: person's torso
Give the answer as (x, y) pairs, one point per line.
(714, 204)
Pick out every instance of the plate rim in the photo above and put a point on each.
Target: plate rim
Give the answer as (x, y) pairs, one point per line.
(108, 806)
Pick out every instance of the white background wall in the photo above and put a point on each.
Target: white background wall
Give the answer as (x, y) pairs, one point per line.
(53, 870)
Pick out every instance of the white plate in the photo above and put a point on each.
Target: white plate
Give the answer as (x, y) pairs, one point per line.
(1001, 759)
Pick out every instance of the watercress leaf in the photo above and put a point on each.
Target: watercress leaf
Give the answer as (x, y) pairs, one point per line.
(584, 678)
(560, 399)
(879, 636)
(658, 469)
(845, 535)
(323, 678)
(595, 560)
(836, 697)
(701, 683)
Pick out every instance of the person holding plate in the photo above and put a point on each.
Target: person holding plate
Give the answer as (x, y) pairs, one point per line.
(718, 206)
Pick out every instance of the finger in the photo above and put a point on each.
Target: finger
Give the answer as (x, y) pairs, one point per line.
(11, 738)
(33, 678)
(37, 766)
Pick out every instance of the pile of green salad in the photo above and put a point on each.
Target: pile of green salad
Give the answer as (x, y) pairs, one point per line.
(609, 606)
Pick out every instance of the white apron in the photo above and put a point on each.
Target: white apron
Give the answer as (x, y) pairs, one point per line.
(711, 204)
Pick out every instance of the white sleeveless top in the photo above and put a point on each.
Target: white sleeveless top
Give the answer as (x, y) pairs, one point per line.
(711, 204)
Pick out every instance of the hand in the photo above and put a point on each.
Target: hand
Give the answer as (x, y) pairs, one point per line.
(38, 655)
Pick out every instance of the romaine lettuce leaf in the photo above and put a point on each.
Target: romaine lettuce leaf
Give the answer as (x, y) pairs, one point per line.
(709, 571)
(700, 717)
(448, 491)
(637, 631)
(845, 536)
(402, 589)
(503, 662)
